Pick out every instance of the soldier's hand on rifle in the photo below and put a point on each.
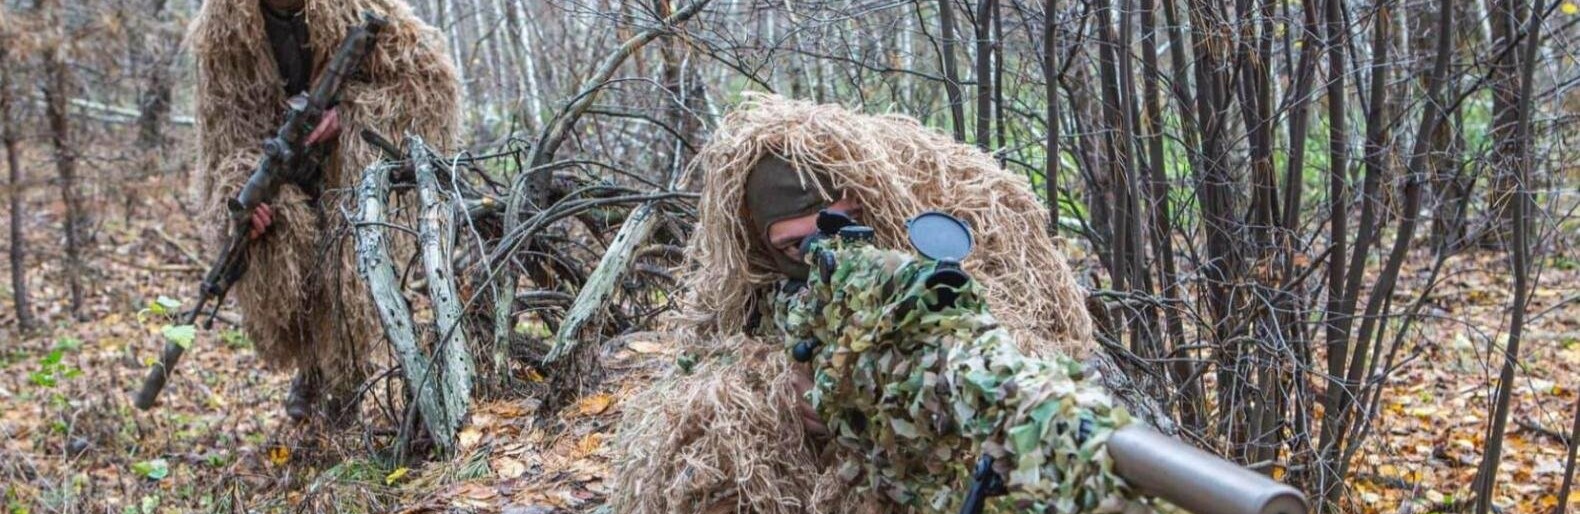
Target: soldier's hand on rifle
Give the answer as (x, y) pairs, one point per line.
(328, 128)
(262, 217)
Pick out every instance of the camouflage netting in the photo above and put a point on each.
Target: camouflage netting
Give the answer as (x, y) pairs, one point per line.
(915, 391)
(725, 437)
(300, 299)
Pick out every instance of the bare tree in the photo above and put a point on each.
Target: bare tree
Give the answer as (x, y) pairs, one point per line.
(58, 84)
(9, 65)
(1487, 474)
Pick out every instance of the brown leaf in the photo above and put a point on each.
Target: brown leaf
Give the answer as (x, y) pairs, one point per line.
(507, 467)
(593, 405)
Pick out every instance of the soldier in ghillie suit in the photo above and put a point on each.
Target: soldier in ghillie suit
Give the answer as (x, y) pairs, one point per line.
(734, 433)
(300, 299)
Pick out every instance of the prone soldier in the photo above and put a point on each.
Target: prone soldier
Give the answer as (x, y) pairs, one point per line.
(735, 433)
(745, 429)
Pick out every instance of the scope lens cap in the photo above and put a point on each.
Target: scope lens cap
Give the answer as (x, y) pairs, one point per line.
(939, 236)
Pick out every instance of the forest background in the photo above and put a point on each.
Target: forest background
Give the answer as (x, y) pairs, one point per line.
(1335, 238)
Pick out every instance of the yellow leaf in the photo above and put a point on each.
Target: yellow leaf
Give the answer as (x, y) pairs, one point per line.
(279, 455)
(395, 475)
(594, 404)
(1570, 8)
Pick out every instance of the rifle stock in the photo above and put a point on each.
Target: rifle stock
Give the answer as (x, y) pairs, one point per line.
(286, 160)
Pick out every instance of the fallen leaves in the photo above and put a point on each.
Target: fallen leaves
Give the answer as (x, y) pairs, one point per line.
(468, 438)
(279, 455)
(589, 444)
(508, 467)
(473, 495)
(594, 405)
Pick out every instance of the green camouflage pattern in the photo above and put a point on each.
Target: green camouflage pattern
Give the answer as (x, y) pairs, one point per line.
(918, 395)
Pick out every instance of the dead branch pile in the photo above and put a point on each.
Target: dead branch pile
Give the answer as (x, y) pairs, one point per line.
(442, 336)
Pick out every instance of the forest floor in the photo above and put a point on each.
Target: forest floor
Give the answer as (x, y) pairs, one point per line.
(70, 441)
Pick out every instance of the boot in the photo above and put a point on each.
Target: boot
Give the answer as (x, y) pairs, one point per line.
(304, 395)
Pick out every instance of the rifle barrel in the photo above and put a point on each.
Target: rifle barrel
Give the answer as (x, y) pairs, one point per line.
(1196, 480)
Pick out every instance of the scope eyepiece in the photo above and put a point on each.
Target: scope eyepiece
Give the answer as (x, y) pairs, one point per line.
(861, 233)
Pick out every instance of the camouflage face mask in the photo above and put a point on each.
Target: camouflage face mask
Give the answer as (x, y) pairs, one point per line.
(774, 193)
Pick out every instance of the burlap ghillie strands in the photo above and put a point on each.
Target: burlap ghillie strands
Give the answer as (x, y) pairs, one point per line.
(896, 168)
(675, 455)
(301, 300)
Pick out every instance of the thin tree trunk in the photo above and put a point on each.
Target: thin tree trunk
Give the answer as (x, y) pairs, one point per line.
(1569, 466)
(1503, 19)
(154, 102)
(984, 75)
(946, 26)
(1050, 75)
(57, 91)
(1181, 369)
(1488, 473)
(18, 250)
(1379, 301)
(999, 122)
(1338, 220)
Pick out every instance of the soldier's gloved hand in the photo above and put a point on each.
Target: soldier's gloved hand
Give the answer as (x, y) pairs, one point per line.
(262, 217)
(328, 128)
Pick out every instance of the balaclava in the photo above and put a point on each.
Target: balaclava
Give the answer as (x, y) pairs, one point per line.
(775, 192)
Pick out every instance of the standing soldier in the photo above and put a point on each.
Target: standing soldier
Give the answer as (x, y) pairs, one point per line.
(300, 300)
(734, 433)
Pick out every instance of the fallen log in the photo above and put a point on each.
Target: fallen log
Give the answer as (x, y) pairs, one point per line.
(374, 264)
(600, 285)
(435, 219)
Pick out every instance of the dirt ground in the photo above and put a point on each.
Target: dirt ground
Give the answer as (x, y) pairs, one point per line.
(72, 442)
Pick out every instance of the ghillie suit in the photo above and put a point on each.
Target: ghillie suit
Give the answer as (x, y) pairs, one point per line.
(301, 301)
(726, 437)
